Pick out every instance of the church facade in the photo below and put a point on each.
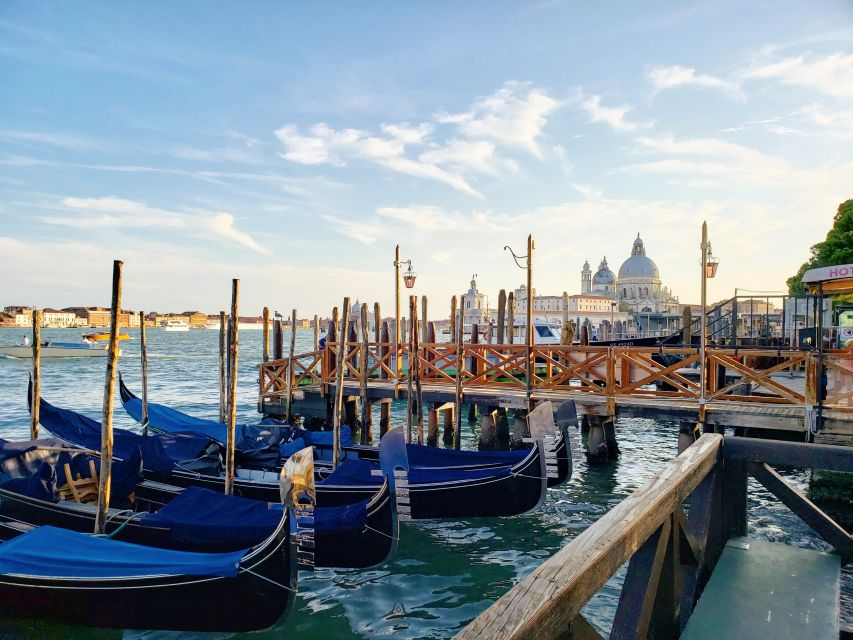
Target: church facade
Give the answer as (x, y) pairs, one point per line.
(637, 288)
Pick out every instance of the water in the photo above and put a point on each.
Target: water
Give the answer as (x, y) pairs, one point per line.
(445, 572)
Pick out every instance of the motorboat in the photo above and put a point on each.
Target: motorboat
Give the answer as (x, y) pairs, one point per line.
(53, 349)
(105, 335)
(176, 325)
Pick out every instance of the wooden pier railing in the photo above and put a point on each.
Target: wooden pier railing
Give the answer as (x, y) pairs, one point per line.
(779, 377)
(671, 549)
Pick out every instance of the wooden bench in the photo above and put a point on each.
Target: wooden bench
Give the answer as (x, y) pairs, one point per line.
(763, 589)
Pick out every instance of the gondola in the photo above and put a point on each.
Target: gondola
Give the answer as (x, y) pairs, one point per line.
(557, 450)
(58, 574)
(355, 536)
(420, 493)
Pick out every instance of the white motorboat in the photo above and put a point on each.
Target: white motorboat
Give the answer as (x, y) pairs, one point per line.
(59, 350)
(176, 325)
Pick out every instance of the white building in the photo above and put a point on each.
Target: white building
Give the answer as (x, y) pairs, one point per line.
(59, 319)
(475, 308)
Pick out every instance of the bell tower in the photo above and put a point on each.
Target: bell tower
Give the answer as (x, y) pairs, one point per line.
(586, 278)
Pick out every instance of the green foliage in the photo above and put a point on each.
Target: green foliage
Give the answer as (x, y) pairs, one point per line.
(836, 249)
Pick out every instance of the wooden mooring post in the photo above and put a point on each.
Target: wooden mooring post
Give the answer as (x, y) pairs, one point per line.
(452, 317)
(35, 395)
(290, 377)
(143, 357)
(366, 409)
(385, 404)
(460, 375)
(233, 350)
(501, 316)
(105, 474)
(223, 346)
(473, 368)
(510, 318)
(339, 388)
(266, 335)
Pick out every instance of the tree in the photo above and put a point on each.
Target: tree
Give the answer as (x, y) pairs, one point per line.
(836, 249)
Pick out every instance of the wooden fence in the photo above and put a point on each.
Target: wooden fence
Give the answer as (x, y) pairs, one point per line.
(671, 549)
(787, 377)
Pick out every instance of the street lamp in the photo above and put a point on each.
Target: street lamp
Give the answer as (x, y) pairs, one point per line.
(530, 365)
(409, 279)
(709, 270)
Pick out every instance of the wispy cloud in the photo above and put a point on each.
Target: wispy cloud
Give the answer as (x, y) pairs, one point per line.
(832, 75)
(514, 116)
(614, 116)
(52, 139)
(672, 76)
(511, 118)
(119, 213)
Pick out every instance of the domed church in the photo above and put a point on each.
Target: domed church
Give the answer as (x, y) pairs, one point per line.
(638, 286)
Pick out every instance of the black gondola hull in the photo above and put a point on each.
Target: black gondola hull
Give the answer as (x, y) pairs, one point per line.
(257, 598)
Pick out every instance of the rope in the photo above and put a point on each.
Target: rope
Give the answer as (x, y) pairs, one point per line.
(382, 533)
(270, 580)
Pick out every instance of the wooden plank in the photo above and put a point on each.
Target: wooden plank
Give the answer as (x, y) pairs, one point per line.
(544, 603)
(764, 589)
(105, 483)
(804, 508)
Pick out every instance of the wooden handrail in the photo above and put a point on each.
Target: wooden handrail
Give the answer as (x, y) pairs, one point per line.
(546, 602)
(613, 372)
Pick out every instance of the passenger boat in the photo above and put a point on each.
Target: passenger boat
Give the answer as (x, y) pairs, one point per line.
(176, 325)
(105, 335)
(54, 349)
(353, 534)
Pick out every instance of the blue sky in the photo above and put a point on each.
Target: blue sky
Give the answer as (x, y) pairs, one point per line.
(293, 144)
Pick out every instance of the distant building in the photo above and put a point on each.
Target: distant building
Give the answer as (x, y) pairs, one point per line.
(23, 315)
(56, 318)
(7, 319)
(196, 319)
(475, 308)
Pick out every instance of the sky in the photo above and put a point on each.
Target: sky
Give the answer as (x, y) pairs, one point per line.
(292, 145)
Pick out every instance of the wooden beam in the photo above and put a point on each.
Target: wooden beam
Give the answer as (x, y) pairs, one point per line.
(544, 603)
(639, 589)
(581, 629)
(105, 482)
(804, 508)
(790, 454)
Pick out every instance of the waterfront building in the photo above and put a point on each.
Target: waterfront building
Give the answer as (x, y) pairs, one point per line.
(56, 318)
(196, 319)
(23, 315)
(7, 319)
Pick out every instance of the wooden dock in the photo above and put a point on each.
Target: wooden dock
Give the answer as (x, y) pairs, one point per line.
(751, 388)
(681, 555)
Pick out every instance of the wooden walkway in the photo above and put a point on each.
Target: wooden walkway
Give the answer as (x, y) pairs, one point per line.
(744, 388)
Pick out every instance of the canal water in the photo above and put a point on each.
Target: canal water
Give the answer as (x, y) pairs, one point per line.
(444, 572)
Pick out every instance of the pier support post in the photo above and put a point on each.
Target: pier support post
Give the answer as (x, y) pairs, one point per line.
(488, 437)
(449, 420)
(601, 444)
(384, 416)
(501, 316)
(687, 433)
(35, 398)
(432, 422)
(510, 318)
(277, 340)
(501, 428)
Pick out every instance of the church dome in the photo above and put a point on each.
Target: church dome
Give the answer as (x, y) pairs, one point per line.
(639, 265)
(604, 276)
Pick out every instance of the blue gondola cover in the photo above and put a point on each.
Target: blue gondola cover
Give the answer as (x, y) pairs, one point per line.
(202, 516)
(53, 552)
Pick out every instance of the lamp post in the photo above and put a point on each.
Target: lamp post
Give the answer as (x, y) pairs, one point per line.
(709, 270)
(409, 279)
(529, 334)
